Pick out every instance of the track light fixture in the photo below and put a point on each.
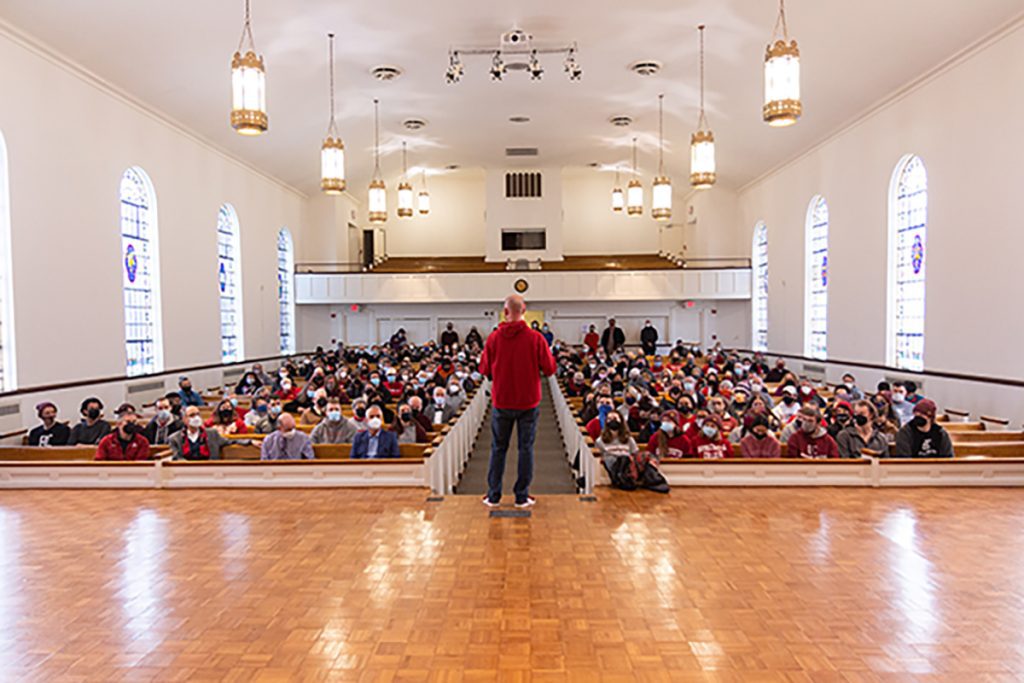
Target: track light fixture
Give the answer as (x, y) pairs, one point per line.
(572, 67)
(497, 67)
(455, 68)
(536, 70)
(515, 52)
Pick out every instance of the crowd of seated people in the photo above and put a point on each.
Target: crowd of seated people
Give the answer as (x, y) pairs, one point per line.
(397, 394)
(688, 404)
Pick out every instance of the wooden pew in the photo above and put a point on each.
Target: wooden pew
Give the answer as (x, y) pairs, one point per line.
(959, 437)
(61, 453)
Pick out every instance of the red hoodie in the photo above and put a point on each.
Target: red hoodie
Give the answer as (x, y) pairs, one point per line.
(514, 357)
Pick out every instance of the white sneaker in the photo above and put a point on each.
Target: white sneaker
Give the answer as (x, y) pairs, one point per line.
(487, 501)
(528, 503)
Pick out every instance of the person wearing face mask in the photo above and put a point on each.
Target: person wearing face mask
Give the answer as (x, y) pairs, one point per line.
(196, 442)
(474, 338)
(759, 441)
(619, 453)
(690, 390)
(336, 428)
(393, 384)
(257, 414)
(787, 409)
(375, 442)
(862, 434)
(810, 439)
(549, 336)
(717, 407)
(709, 442)
(287, 443)
(886, 421)
(160, 428)
(359, 407)
(406, 428)
(649, 339)
(669, 441)
(248, 385)
(923, 437)
(456, 396)
(605, 406)
(449, 337)
(126, 442)
(92, 428)
(225, 419)
(51, 432)
(850, 384)
(315, 413)
(903, 408)
(841, 417)
(777, 373)
(591, 340)
(416, 406)
(286, 390)
(612, 338)
(189, 396)
(441, 411)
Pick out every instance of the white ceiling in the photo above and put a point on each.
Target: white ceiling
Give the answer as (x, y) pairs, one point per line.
(175, 57)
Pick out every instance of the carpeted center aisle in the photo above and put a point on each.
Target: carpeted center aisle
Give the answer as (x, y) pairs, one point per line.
(551, 472)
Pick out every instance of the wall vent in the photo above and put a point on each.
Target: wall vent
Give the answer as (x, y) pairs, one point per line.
(10, 409)
(521, 151)
(143, 387)
(519, 185)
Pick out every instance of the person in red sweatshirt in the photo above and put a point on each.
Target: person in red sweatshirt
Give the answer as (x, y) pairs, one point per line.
(709, 443)
(811, 439)
(514, 357)
(669, 441)
(126, 442)
(591, 340)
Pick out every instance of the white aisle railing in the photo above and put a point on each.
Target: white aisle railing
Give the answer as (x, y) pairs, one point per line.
(577, 452)
(447, 462)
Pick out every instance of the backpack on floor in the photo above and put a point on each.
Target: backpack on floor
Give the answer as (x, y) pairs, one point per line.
(652, 479)
(623, 473)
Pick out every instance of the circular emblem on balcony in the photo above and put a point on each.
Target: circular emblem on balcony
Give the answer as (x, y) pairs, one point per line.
(521, 286)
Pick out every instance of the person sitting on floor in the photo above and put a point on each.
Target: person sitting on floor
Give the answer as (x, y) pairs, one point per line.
(126, 442)
(160, 428)
(375, 442)
(336, 428)
(287, 443)
(93, 427)
(406, 428)
(923, 437)
(51, 432)
(196, 442)
(862, 434)
(810, 439)
(759, 441)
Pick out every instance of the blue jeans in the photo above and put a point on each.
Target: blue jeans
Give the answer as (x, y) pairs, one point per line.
(502, 422)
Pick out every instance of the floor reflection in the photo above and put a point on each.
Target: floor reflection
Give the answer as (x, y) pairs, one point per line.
(142, 582)
(915, 580)
(234, 530)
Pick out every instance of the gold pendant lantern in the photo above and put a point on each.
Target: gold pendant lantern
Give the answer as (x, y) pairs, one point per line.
(661, 190)
(405, 208)
(618, 196)
(423, 200)
(634, 191)
(332, 152)
(782, 106)
(702, 142)
(248, 84)
(377, 204)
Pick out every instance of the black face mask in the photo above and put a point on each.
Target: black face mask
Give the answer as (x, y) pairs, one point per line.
(130, 428)
(788, 400)
(405, 417)
(92, 413)
(861, 420)
(918, 421)
(614, 425)
(842, 418)
(321, 402)
(360, 413)
(225, 415)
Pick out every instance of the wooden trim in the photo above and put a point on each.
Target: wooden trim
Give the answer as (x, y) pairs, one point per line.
(295, 463)
(996, 420)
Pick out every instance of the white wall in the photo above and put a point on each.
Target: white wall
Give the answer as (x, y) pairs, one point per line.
(543, 212)
(711, 225)
(965, 123)
(69, 142)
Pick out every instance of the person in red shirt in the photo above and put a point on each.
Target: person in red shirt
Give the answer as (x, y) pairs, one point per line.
(669, 441)
(226, 420)
(605, 405)
(591, 340)
(126, 442)
(709, 443)
(287, 391)
(514, 357)
(811, 439)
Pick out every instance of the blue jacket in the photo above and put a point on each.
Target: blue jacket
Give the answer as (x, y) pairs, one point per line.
(387, 445)
(190, 398)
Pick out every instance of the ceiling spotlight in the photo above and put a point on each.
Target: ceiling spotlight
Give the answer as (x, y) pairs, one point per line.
(536, 70)
(385, 72)
(497, 67)
(572, 67)
(455, 68)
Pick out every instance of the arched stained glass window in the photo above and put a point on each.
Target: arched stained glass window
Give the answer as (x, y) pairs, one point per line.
(908, 239)
(286, 289)
(816, 292)
(229, 283)
(759, 263)
(8, 375)
(140, 274)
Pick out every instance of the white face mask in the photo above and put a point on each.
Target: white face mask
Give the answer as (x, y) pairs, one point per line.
(195, 422)
(374, 423)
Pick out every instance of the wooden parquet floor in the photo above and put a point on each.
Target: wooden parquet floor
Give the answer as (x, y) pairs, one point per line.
(378, 585)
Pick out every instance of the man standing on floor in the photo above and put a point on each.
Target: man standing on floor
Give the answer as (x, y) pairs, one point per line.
(514, 357)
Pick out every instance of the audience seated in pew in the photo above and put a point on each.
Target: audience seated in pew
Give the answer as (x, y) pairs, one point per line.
(669, 441)
(903, 408)
(225, 419)
(315, 413)
(196, 442)
(375, 441)
(287, 443)
(93, 427)
(416, 405)
(126, 442)
(336, 428)
(406, 428)
(759, 441)
(708, 443)
(249, 384)
(189, 396)
(863, 433)
(174, 398)
(922, 436)
(163, 425)
(441, 412)
(810, 438)
(51, 432)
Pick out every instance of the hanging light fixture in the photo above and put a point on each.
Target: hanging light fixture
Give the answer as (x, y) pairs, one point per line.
(423, 200)
(248, 84)
(618, 197)
(702, 142)
(332, 152)
(405, 209)
(378, 200)
(661, 191)
(782, 105)
(634, 191)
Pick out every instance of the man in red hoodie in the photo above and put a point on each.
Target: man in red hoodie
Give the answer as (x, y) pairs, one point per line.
(514, 357)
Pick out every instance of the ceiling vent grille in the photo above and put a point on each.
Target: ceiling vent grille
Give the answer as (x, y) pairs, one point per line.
(523, 185)
(521, 151)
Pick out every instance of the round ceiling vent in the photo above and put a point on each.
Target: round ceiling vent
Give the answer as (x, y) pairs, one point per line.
(645, 67)
(621, 121)
(414, 124)
(451, 167)
(386, 72)
(519, 119)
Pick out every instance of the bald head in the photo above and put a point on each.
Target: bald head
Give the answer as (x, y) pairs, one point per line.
(515, 306)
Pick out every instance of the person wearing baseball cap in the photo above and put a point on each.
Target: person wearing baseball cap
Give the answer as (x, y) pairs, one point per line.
(789, 407)
(840, 417)
(670, 441)
(923, 437)
(810, 439)
(708, 442)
